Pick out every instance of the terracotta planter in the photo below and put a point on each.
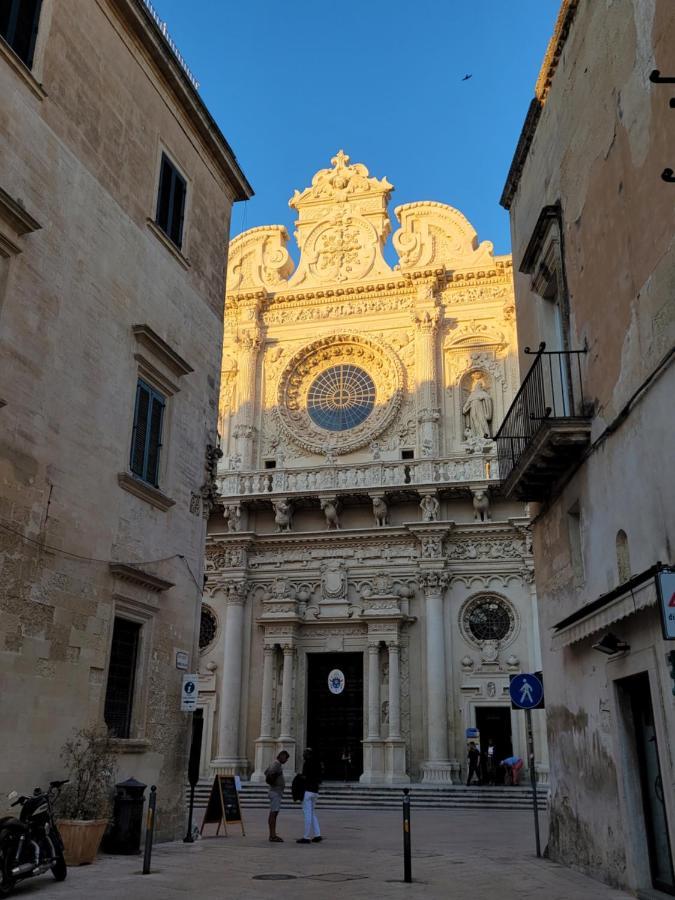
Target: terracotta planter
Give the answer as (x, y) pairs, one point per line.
(81, 839)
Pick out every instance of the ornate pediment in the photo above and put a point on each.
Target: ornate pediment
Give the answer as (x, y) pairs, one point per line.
(434, 234)
(258, 258)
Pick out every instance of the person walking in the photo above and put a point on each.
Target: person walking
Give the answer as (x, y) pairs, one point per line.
(513, 765)
(312, 774)
(473, 756)
(274, 776)
(490, 763)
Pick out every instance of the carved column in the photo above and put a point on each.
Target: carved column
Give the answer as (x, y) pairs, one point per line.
(228, 761)
(437, 767)
(373, 756)
(426, 318)
(248, 344)
(395, 772)
(286, 741)
(265, 745)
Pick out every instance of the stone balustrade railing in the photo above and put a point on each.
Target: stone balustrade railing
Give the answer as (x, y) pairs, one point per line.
(371, 475)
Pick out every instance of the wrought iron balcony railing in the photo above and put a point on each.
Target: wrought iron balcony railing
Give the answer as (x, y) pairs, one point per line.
(550, 399)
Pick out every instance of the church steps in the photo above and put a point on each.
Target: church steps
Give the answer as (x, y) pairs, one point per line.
(356, 796)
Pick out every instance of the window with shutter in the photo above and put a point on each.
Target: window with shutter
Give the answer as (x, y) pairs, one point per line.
(19, 26)
(171, 201)
(146, 439)
(119, 693)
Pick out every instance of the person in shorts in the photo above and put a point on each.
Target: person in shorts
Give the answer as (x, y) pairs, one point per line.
(274, 776)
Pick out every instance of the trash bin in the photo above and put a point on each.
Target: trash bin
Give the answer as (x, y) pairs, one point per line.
(125, 834)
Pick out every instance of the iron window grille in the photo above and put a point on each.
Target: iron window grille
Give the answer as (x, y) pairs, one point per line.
(19, 26)
(171, 201)
(146, 439)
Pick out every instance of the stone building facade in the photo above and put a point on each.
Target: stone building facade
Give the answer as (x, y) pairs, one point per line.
(591, 198)
(116, 188)
(368, 591)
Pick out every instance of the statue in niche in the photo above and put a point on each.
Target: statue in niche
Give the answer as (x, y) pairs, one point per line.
(477, 408)
(380, 511)
(430, 508)
(232, 516)
(481, 505)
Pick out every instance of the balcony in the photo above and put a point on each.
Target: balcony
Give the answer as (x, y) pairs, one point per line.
(547, 429)
(393, 477)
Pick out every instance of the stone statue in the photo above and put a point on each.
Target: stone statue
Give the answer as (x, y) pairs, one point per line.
(430, 508)
(478, 409)
(380, 511)
(481, 506)
(283, 514)
(232, 516)
(330, 511)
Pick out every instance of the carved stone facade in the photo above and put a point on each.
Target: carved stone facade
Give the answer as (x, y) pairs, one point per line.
(348, 488)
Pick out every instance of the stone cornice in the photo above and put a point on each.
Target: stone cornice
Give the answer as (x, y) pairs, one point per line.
(139, 577)
(149, 339)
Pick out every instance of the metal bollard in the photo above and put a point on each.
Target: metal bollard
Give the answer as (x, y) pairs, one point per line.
(407, 868)
(149, 829)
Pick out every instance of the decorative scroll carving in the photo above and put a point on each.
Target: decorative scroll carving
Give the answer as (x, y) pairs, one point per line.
(434, 234)
(258, 258)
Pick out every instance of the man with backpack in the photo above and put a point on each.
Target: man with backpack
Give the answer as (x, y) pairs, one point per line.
(274, 776)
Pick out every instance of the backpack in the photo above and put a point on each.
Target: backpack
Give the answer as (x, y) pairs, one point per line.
(270, 777)
(298, 787)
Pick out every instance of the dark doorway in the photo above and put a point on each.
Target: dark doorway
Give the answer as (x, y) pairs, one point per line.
(656, 824)
(495, 722)
(335, 721)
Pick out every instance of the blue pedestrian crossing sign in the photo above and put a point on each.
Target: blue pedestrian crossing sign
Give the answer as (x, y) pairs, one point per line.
(527, 691)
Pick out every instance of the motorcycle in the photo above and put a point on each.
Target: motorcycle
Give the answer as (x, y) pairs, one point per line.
(31, 845)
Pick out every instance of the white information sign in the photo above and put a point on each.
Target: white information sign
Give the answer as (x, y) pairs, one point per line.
(666, 585)
(189, 693)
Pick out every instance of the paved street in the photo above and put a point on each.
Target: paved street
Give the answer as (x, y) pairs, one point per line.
(459, 854)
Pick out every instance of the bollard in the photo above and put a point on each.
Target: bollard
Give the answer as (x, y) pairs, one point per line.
(407, 869)
(149, 830)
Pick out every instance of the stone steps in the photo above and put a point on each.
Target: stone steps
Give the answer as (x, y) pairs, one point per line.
(335, 795)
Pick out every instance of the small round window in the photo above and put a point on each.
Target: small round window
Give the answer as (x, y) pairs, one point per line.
(489, 619)
(207, 628)
(341, 397)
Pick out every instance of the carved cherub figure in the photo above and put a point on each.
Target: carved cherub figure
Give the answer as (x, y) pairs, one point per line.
(283, 514)
(430, 508)
(380, 511)
(331, 512)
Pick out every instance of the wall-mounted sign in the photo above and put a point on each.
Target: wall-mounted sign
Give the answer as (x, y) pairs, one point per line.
(336, 681)
(666, 588)
(182, 659)
(189, 693)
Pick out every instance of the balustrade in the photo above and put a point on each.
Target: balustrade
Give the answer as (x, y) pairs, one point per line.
(328, 477)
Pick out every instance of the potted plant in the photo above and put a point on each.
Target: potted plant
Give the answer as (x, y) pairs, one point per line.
(85, 803)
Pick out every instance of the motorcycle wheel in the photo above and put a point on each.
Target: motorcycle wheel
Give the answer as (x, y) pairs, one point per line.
(6, 881)
(59, 869)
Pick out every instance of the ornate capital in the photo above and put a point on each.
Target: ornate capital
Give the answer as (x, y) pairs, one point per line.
(373, 647)
(435, 582)
(427, 319)
(288, 648)
(236, 593)
(394, 646)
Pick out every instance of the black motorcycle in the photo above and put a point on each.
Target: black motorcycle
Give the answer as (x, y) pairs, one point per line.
(31, 844)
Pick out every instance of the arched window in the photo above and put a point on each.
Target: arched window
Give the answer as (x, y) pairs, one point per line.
(622, 556)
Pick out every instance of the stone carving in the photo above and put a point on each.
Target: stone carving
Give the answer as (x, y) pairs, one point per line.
(513, 663)
(330, 510)
(434, 581)
(283, 514)
(334, 580)
(303, 312)
(430, 508)
(376, 358)
(467, 663)
(219, 557)
(258, 258)
(380, 511)
(433, 234)
(491, 689)
(478, 408)
(485, 549)
(481, 505)
(431, 546)
(232, 516)
(490, 652)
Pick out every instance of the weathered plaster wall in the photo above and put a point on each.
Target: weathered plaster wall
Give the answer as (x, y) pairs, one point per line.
(84, 162)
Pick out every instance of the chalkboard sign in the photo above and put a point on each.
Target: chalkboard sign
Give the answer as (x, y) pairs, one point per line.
(223, 806)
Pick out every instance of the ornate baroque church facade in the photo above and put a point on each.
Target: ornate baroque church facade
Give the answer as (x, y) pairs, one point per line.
(368, 591)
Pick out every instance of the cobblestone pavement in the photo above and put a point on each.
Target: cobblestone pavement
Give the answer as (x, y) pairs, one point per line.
(457, 855)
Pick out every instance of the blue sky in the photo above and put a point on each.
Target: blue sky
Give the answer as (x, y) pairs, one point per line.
(290, 83)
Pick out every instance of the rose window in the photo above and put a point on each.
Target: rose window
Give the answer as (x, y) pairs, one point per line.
(341, 397)
(489, 619)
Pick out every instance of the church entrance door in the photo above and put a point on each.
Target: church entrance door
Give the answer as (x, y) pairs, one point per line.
(335, 712)
(495, 722)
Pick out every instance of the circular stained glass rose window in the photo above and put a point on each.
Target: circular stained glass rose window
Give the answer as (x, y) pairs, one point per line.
(489, 620)
(341, 398)
(207, 628)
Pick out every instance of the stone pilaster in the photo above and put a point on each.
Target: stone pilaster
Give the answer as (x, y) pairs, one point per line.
(228, 760)
(265, 745)
(426, 318)
(286, 739)
(248, 345)
(373, 747)
(395, 768)
(437, 767)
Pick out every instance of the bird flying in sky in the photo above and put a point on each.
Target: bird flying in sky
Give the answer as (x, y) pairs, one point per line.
(466, 77)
